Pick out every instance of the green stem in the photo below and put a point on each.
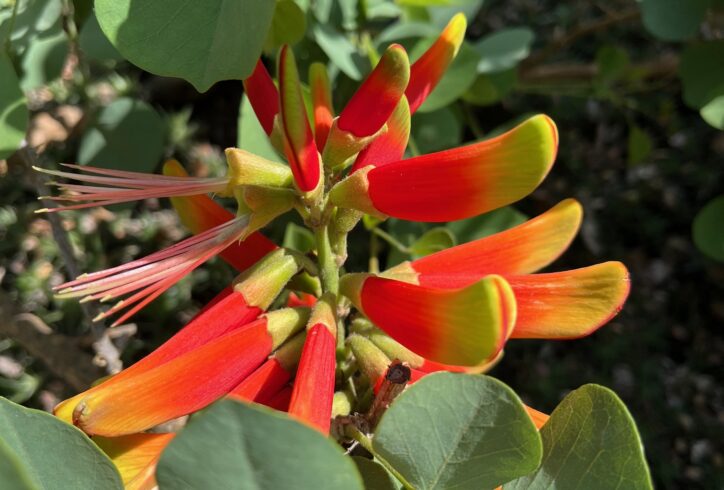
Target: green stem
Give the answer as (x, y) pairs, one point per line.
(366, 442)
(390, 239)
(325, 258)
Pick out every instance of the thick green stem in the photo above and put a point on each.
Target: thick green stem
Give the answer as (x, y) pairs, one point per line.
(325, 257)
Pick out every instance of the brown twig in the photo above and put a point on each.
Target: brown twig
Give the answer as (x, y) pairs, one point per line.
(566, 40)
(553, 73)
(59, 353)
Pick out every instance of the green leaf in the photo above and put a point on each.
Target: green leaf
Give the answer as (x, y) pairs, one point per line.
(235, 445)
(375, 476)
(42, 452)
(458, 431)
(702, 72)
(612, 62)
(438, 130)
(288, 25)
(486, 224)
(44, 60)
(457, 79)
(589, 442)
(128, 134)
(489, 88)
(673, 20)
(441, 14)
(503, 50)
(202, 42)
(713, 111)
(94, 44)
(639, 145)
(251, 136)
(339, 50)
(708, 231)
(406, 30)
(298, 238)
(13, 110)
(432, 241)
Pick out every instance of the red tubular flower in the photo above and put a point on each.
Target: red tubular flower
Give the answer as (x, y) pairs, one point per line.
(263, 96)
(458, 183)
(299, 146)
(313, 391)
(370, 107)
(135, 456)
(427, 71)
(557, 305)
(321, 101)
(465, 326)
(252, 294)
(263, 385)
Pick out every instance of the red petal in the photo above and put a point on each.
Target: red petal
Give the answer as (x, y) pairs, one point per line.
(389, 146)
(427, 71)
(314, 386)
(262, 384)
(263, 96)
(299, 146)
(569, 304)
(373, 103)
(322, 102)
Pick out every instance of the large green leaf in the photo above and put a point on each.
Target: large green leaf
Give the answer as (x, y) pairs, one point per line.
(202, 42)
(339, 49)
(458, 431)
(702, 73)
(375, 476)
(128, 134)
(503, 49)
(673, 20)
(708, 231)
(235, 445)
(38, 451)
(13, 109)
(288, 25)
(435, 131)
(590, 442)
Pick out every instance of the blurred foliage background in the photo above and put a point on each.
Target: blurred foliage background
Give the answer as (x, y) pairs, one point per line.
(637, 91)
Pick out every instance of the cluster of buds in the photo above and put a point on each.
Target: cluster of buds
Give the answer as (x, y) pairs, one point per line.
(454, 310)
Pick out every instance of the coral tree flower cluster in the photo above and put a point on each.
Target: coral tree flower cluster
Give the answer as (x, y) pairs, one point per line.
(453, 310)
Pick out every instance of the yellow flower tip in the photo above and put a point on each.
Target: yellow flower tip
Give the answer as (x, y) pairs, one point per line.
(454, 32)
(172, 168)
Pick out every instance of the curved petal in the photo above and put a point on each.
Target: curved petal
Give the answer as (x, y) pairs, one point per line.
(427, 71)
(299, 145)
(263, 96)
(523, 249)
(321, 101)
(458, 183)
(464, 327)
(569, 304)
(135, 456)
(389, 146)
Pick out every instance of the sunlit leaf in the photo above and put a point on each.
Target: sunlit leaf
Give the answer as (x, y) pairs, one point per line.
(288, 25)
(235, 445)
(503, 49)
(13, 109)
(708, 230)
(202, 42)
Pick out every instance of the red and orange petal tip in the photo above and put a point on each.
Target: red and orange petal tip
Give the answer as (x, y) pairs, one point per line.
(569, 304)
(262, 384)
(179, 387)
(457, 183)
(135, 456)
(376, 99)
(523, 249)
(301, 299)
(463, 327)
(263, 96)
(299, 146)
(228, 313)
(201, 213)
(427, 71)
(313, 391)
(389, 146)
(321, 102)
